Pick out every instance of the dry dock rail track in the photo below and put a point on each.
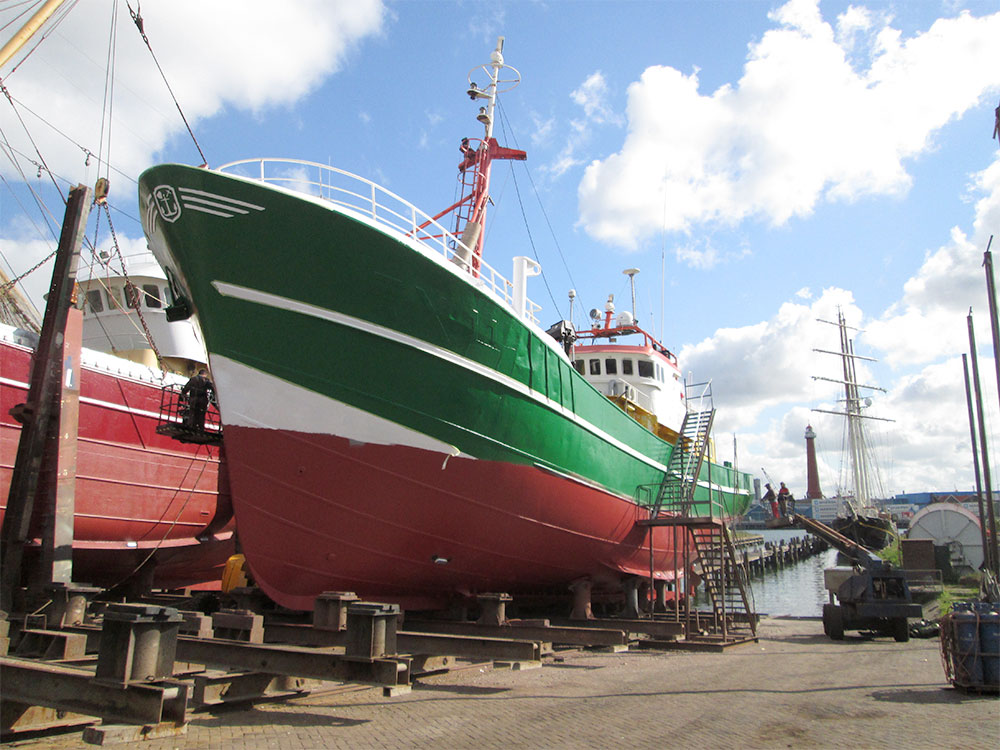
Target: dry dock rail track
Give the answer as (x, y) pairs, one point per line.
(794, 688)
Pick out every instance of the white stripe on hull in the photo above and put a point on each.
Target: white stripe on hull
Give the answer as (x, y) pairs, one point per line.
(251, 398)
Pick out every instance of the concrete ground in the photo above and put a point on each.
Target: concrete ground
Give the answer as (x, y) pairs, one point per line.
(795, 688)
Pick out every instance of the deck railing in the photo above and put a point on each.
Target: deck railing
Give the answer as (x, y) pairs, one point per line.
(384, 207)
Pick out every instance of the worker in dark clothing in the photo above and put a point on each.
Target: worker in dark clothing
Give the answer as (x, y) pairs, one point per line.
(783, 495)
(770, 499)
(196, 394)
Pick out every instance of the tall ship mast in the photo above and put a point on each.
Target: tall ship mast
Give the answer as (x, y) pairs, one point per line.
(863, 522)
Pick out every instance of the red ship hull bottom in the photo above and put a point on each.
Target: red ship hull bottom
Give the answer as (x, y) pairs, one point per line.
(397, 524)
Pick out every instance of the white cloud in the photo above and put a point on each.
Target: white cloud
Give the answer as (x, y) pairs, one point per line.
(248, 55)
(592, 96)
(770, 363)
(765, 393)
(703, 255)
(802, 125)
(930, 320)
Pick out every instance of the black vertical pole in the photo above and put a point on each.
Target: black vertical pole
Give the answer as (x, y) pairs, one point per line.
(987, 551)
(983, 447)
(43, 392)
(991, 294)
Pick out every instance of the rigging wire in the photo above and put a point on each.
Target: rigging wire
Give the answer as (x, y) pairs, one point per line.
(88, 153)
(27, 5)
(137, 18)
(57, 18)
(107, 108)
(6, 93)
(512, 137)
(131, 291)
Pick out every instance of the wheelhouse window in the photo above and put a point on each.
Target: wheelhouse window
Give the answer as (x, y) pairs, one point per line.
(114, 297)
(94, 302)
(595, 367)
(627, 367)
(578, 366)
(151, 293)
(611, 367)
(646, 369)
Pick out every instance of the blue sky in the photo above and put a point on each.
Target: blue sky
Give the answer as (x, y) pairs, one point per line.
(760, 162)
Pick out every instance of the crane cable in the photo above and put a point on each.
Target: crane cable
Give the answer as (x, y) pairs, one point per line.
(137, 18)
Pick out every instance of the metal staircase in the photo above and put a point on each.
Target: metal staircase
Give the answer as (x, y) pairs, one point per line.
(726, 583)
(681, 478)
(732, 618)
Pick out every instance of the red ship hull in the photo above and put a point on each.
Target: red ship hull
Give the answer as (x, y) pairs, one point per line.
(398, 526)
(143, 500)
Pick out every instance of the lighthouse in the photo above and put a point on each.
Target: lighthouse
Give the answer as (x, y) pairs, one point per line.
(813, 492)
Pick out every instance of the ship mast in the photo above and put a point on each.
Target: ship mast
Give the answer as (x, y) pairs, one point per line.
(475, 167)
(857, 442)
(28, 30)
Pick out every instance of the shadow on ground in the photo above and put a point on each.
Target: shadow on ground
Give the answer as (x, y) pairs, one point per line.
(259, 716)
(931, 695)
(457, 689)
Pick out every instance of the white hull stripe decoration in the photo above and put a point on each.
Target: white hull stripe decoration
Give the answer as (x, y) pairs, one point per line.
(213, 203)
(283, 303)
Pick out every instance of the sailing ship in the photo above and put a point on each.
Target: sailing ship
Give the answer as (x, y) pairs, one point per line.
(149, 510)
(861, 520)
(397, 423)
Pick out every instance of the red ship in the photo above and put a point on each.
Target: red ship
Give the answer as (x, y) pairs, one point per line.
(149, 509)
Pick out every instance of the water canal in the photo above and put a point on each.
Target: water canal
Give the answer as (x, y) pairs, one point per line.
(797, 589)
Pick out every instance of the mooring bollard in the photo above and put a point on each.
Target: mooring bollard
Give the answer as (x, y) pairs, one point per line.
(371, 629)
(138, 643)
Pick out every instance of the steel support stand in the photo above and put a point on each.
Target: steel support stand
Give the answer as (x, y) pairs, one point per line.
(371, 630)
(138, 643)
(493, 608)
(330, 611)
(582, 609)
(631, 585)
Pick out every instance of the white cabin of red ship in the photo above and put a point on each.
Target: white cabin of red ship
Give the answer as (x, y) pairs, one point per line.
(641, 370)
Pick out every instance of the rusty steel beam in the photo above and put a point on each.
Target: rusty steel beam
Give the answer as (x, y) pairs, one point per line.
(73, 689)
(211, 689)
(470, 646)
(565, 635)
(294, 661)
(476, 644)
(633, 628)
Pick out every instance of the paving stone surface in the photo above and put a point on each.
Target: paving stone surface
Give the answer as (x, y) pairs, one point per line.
(795, 688)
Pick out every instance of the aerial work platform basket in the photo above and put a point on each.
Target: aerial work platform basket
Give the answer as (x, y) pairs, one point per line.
(179, 422)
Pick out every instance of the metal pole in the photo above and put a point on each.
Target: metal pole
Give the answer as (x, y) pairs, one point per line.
(991, 293)
(983, 446)
(28, 30)
(988, 552)
(42, 404)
